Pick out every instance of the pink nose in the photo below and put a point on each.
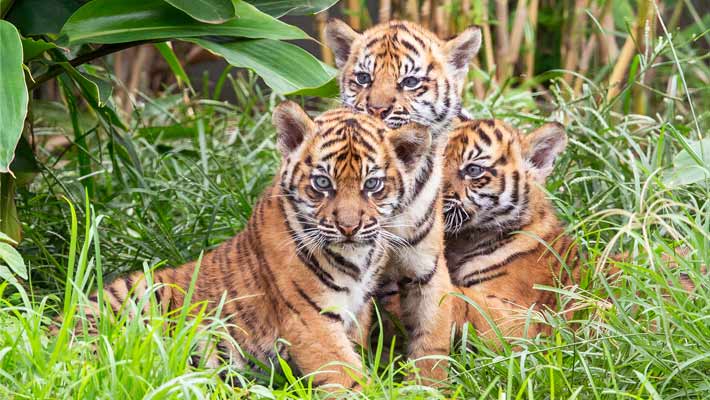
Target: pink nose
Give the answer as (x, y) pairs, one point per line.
(379, 111)
(348, 230)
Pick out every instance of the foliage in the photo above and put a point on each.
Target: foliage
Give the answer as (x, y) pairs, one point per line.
(119, 24)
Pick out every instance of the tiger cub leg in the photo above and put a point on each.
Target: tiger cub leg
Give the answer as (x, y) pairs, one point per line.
(320, 346)
(427, 317)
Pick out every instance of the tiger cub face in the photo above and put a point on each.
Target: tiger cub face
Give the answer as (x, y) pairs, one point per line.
(343, 173)
(401, 72)
(490, 170)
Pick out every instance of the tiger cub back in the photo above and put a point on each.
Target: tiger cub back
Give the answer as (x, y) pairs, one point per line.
(499, 223)
(310, 255)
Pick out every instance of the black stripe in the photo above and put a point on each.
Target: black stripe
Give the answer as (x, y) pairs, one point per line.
(514, 197)
(484, 279)
(409, 46)
(342, 264)
(500, 264)
(484, 137)
(327, 314)
(423, 177)
(427, 222)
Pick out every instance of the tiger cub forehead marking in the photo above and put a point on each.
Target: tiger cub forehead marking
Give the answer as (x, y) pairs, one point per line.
(348, 144)
(489, 142)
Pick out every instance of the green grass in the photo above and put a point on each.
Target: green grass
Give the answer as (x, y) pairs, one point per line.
(163, 195)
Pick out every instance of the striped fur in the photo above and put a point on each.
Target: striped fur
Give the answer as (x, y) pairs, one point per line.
(500, 223)
(400, 72)
(313, 250)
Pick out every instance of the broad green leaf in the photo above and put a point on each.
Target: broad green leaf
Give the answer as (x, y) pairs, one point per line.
(37, 17)
(690, 168)
(208, 11)
(279, 8)
(32, 49)
(286, 68)
(166, 50)
(13, 259)
(119, 21)
(13, 93)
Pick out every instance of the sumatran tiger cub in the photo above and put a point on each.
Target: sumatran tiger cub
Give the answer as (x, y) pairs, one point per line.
(311, 254)
(499, 224)
(401, 73)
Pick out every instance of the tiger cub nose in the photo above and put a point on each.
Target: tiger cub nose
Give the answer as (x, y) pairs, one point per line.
(379, 111)
(348, 230)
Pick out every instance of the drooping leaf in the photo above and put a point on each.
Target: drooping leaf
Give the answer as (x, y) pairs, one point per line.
(7, 275)
(286, 68)
(119, 21)
(32, 48)
(13, 93)
(9, 222)
(278, 8)
(166, 50)
(13, 259)
(691, 165)
(37, 17)
(207, 11)
(92, 92)
(87, 86)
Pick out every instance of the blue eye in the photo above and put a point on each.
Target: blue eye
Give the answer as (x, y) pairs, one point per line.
(410, 82)
(474, 171)
(373, 184)
(363, 78)
(321, 182)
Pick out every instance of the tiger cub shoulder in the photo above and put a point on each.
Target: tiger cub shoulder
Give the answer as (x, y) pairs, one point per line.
(502, 232)
(401, 72)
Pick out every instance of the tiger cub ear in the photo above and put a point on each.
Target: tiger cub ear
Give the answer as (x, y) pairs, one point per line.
(292, 125)
(340, 36)
(541, 148)
(410, 142)
(461, 49)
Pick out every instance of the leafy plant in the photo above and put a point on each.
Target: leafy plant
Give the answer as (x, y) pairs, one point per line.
(56, 38)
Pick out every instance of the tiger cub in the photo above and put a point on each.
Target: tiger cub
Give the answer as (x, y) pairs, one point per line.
(499, 223)
(402, 73)
(313, 249)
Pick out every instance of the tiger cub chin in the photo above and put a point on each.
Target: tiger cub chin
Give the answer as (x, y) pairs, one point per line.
(310, 256)
(499, 224)
(400, 72)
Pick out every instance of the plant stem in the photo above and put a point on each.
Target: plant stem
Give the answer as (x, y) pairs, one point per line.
(104, 50)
